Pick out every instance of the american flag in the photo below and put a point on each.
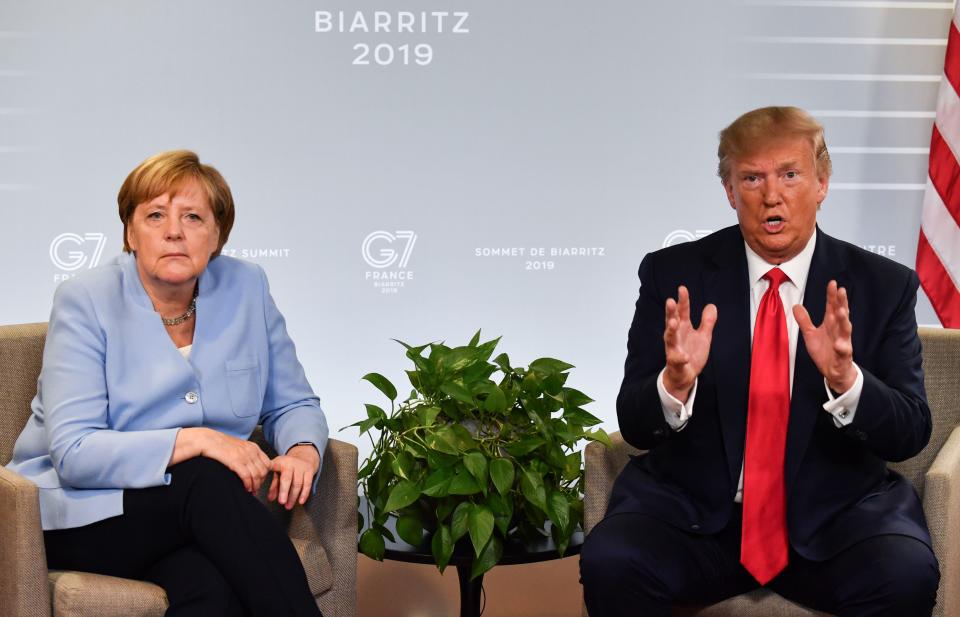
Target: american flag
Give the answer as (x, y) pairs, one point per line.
(938, 253)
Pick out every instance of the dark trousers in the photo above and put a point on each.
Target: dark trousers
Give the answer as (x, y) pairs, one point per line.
(636, 565)
(213, 547)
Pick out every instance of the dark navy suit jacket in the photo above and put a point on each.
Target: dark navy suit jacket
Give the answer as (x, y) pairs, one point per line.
(839, 490)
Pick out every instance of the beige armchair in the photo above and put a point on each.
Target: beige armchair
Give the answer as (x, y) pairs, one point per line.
(324, 532)
(935, 473)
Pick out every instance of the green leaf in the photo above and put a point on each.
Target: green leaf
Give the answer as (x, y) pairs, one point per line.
(444, 508)
(462, 438)
(442, 546)
(480, 525)
(525, 446)
(559, 510)
(502, 508)
(383, 384)
(372, 545)
(458, 392)
(463, 483)
(475, 340)
(437, 460)
(531, 485)
(415, 450)
(443, 440)
(561, 537)
(539, 421)
(553, 384)
(375, 413)
(427, 414)
(458, 359)
(503, 361)
(367, 469)
(599, 435)
(571, 468)
(402, 465)
(549, 365)
(367, 424)
(580, 416)
(403, 494)
(437, 483)
(491, 554)
(575, 398)
(496, 400)
(459, 520)
(502, 474)
(410, 530)
(476, 464)
(555, 457)
(486, 350)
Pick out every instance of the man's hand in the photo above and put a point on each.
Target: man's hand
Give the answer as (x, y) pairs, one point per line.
(687, 348)
(831, 345)
(293, 476)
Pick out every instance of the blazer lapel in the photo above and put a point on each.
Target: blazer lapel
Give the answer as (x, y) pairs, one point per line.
(808, 394)
(726, 284)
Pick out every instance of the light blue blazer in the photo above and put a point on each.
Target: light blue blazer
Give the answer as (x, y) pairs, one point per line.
(114, 390)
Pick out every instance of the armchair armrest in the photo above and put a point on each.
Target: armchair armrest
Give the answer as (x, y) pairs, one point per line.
(330, 517)
(601, 467)
(941, 505)
(24, 588)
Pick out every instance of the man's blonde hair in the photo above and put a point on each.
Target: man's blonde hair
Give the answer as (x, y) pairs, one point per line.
(754, 129)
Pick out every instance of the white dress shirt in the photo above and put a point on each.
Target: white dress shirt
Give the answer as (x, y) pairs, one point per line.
(843, 407)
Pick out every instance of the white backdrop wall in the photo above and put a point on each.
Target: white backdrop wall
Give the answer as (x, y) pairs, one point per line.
(517, 158)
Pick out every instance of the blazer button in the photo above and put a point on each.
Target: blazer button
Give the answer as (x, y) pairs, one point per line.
(191, 397)
(695, 527)
(657, 432)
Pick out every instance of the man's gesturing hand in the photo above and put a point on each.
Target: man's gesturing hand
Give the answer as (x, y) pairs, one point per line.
(687, 348)
(831, 345)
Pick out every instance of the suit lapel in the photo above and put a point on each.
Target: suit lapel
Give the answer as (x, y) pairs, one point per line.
(726, 284)
(808, 393)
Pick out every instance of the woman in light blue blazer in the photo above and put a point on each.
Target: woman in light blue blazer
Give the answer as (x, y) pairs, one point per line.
(157, 367)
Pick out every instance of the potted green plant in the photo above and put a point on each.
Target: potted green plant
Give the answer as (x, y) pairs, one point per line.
(480, 450)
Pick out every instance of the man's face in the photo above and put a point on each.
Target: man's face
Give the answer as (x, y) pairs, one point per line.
(776, 192)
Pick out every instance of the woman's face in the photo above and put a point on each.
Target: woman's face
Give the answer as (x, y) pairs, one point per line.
(173, 236)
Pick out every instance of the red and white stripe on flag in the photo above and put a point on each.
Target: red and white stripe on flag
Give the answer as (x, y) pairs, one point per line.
(938, 253)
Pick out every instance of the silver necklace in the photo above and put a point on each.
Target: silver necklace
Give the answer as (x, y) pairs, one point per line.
(179, 319)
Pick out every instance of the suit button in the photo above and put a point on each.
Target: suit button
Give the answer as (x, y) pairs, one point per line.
(861, 436)
(191, 397)
(657, 432)
(695, 527)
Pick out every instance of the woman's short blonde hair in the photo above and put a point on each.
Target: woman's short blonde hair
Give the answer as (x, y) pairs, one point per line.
(167, 172)
(759, 127)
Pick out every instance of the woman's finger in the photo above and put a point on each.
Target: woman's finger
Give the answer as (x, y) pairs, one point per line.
(285, 481)
(296, 487)
(274, 484)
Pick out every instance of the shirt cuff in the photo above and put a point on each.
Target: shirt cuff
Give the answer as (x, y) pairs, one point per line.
(674, 412)
(844, 406)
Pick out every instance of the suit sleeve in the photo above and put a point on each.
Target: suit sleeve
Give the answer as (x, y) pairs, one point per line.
(639, 409)
(291, 411)
(893, 419)
(85, 450)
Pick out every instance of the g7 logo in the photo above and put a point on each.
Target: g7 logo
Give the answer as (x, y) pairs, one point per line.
(386, 256)
(81, 255)
(678, 236)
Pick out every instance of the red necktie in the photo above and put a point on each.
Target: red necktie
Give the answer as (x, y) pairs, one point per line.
(763, 546)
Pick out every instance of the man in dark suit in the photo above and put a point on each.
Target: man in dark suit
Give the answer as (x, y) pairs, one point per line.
(768, 434)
